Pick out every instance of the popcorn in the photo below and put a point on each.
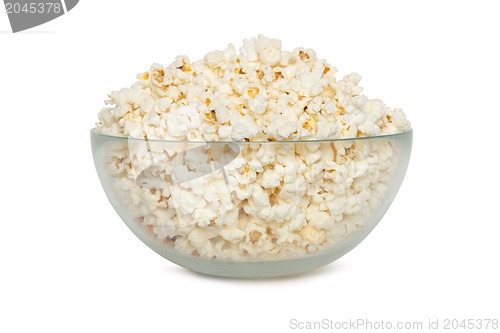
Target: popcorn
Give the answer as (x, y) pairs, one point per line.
(252, 199)
(240, 132)
(182, 121)
(214, 58)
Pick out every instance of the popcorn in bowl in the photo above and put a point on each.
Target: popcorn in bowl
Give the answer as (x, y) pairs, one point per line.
(259, 156)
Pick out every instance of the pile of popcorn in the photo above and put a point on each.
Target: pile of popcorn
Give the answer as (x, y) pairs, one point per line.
(261, 195)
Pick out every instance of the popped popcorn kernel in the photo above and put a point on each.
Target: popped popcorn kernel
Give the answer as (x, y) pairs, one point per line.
(310, 125)
(185, 66)
(158, 75)
(254, 236)
(311, 235)
(252, 92)
(304, 56)
(260, 74)
(211, 116)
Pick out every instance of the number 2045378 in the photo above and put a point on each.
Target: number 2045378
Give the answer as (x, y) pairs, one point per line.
(470, 324)
(33, 8)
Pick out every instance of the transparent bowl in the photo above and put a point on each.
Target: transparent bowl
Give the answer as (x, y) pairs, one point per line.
(251, 209)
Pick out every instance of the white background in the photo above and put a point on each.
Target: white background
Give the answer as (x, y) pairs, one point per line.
(68, 263)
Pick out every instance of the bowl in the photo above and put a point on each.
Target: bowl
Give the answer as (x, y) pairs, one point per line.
(251, 209)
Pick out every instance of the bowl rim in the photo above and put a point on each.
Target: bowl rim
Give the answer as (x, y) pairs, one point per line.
(93, 131)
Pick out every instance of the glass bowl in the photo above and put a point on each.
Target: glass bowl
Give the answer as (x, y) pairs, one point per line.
(251, 209)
